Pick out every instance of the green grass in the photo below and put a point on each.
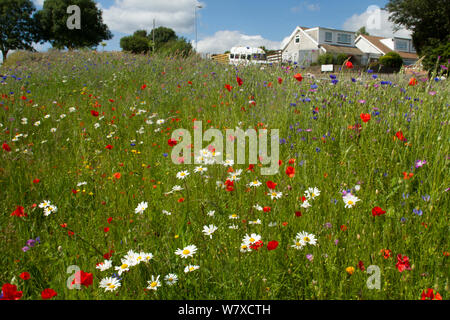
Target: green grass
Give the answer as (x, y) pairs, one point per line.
(75, 152)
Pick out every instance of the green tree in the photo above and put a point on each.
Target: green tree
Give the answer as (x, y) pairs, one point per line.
(362, 31)
(135, 44)
(392, 60)
(53, 23)
(162, 35)
(179, 46)
(326, 58)
(427, 19)
(18, 28)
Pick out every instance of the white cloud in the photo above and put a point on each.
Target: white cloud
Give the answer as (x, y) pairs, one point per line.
(38, 2)
(223, 40)
(307, 6)
(376, 22)
(127, 16)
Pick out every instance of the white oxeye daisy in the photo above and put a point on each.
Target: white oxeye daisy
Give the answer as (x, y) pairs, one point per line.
(233, 216)
(171, 279)
(167, 213)
(190, 268)
(350, 200)
(105, 265)
(200, 169)
(245, 247)
(275, 195)
(72, 109)
(44, 204)
(258, 207)
(187, 251)
(141, 207)
(255, 183)
(110, 284)
(176, 188)
(125, 266)
(228, 163)
(146, 257)
(233, 226)
(182, 174)
(211, 213)
(298, 244)
(53, 130)
(209, 230)
(255, 222)
(305, 204)
(306, 238)
(312, 193)
(154, 283)
(160, 121)
(250, 239)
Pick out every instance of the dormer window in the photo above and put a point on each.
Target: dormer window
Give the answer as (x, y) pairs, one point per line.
(344, 38)
(401, 45)
(328, 36)
(297, 38)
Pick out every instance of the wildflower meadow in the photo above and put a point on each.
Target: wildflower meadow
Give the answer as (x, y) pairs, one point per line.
(97, 202)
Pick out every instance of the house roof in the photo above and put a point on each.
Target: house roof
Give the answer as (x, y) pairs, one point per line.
(342, 49)
(385, 49)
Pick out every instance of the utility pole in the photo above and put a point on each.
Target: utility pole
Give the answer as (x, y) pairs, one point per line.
(153, 45)
(195, 25)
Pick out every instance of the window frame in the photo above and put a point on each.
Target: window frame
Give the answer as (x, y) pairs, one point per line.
(331, 36)
(339, 35)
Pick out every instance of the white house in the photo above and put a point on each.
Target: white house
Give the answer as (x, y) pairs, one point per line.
(304, 45)
(375, 47)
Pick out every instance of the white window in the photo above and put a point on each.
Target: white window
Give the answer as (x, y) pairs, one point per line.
(297, 38)
(401, 45)
(344, 38)
(328, 36)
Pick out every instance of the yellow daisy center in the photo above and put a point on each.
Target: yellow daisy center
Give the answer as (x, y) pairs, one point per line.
(252, 240)
(111, 286)
(306, 239)
(124, 266)
(153, 284)
(191, 269)
(186, 251)
(350, 202)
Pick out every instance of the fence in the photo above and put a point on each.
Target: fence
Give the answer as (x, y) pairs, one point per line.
(275, 58)
(221, 58)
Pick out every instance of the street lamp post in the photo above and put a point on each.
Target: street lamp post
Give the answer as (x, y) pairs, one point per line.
(195, 15)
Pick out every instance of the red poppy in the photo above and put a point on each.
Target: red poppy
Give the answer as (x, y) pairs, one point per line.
(430, 295)
(271, 185)
(280, 162)
(10, 292)
(365, 117)
(361, 265)
(377, 211)
(109, 219)
(109, 147)
(94, 113)
(181, 200)
(256, 245)
(402, 263)
(386, 253)
(106, 229)
(6, 147)
(291, 161)
(302, 198)
(48, 294)
(272, 245)
(172, 142)
(400, 136)
(228, 87)
(407, 176)
(344, 227)
(117, 175)
(298, 76)
(239, 81)
(298, 213)
(19, 212)
(143, 86)
(412, 81)
(349, 65)
(280, 80)
(230, 185)
(290, 171)
(83, 278)
(108, 255)
(251, 167)
(35, 181)
(267, 209)
(25, 276)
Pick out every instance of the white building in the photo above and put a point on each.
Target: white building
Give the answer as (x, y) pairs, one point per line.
(306, 44)
(375, 47)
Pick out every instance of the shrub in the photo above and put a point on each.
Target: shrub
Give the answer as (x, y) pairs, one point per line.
(392, 60)
(326, 58)
(135, 44)
(430, 62)
(177, 47)
(341, 57)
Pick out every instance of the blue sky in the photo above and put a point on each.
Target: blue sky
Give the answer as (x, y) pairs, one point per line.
(222, 24)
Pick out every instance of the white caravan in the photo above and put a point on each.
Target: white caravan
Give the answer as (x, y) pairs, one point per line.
(247, 55)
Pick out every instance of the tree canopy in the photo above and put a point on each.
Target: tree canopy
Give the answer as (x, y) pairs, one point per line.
(427, 19)
(362, 31)
(53, 24)
(18, 29)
